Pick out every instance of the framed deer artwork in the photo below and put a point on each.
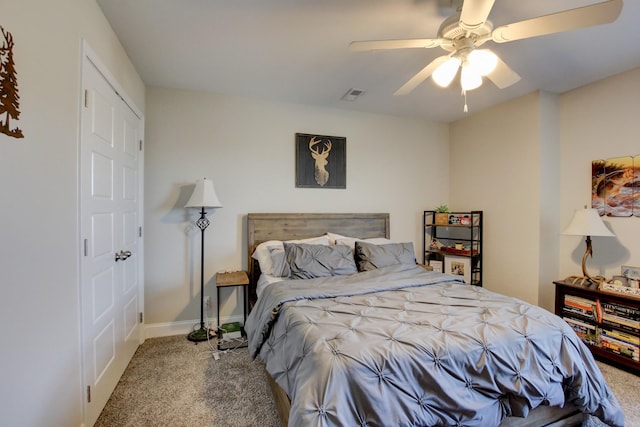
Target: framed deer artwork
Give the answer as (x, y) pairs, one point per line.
(321, 161)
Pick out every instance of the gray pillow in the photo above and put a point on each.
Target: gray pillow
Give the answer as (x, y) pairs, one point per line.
(311, 261)
(280, 266)
(370, 257)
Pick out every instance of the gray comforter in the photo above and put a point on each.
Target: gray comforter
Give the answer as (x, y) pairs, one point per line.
(401, 346)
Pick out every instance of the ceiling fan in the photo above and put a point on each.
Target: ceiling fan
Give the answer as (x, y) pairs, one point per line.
(464, 32)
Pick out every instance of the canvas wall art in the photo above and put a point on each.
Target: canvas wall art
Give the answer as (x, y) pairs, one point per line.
(321, 161)
(615, 186)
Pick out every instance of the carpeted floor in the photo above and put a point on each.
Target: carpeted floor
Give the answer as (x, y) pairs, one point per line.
(625, 386)
(173, 382)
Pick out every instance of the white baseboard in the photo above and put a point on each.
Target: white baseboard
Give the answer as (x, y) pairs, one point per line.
(183, 327)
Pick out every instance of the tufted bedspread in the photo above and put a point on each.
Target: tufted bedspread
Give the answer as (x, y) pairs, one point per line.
(402, 346)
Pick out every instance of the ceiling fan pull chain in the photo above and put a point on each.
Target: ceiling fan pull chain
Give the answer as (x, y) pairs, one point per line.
(465, 109)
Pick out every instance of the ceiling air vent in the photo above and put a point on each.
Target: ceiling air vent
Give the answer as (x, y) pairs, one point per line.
(353, 94)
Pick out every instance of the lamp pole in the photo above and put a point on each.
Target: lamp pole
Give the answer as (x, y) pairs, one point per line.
(201, 334)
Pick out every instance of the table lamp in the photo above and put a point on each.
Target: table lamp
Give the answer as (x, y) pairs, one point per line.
(587, 222)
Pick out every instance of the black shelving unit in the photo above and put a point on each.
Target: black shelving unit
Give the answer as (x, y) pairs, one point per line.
(460, 235)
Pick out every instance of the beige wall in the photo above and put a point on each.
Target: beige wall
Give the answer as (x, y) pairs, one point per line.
(246, 146)
(550, 196)
(527, 163)
(495, 167)
(599, 121)
(39, 304)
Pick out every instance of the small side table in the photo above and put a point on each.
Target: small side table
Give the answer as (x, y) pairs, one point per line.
(233, 278)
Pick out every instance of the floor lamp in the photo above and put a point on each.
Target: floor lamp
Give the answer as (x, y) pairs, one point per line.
(587, 222)
(204, 196)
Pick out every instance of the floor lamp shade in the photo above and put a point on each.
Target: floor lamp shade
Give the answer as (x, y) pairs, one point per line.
(204, 196)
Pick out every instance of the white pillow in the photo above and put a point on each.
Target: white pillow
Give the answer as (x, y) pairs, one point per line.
(333, 237)
(351, 241)
(262, 254)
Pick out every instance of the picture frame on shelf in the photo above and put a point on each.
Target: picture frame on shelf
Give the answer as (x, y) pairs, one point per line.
(465, 219)
(436, 265)
(620, 281)
(454, 219)
(632, 274)
(458, 266)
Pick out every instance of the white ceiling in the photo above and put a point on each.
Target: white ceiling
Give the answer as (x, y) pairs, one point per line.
(297, 50)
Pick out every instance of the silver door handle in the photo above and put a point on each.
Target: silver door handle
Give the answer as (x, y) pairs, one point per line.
(123, 255)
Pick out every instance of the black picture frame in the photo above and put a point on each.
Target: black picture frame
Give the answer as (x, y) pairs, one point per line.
(329, 153)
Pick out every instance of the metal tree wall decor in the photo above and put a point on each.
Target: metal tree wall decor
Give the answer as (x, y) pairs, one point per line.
(9, 105)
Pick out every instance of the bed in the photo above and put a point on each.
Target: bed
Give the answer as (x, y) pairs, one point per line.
(396, 345)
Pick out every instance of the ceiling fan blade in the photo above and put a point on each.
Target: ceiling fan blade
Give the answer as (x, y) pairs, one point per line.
(421, 76)
(503, 76)
(393, 44)
(587, 16)
(474, 13)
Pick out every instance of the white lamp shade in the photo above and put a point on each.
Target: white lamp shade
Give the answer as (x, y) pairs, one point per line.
(483, 61)
(469, 78)
(204, 196)
(444, 74)
(587, 222)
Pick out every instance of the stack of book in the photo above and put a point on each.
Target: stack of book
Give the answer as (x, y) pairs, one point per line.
(582, 307)
(579, 312)
(621, 316)
(588, 332)
(620, 343)
(610, 326)
(624, 325)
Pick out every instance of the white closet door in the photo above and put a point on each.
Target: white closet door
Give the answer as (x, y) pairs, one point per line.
(111, 253)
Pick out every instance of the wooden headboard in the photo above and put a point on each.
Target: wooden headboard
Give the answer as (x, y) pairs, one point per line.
(288, 226)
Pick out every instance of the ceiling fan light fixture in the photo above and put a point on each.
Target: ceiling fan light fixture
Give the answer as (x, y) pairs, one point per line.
(445, 73)
(462, 32)
(469, 78)
(483, 61)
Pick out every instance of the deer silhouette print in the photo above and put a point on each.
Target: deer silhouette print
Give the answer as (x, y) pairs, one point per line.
(320, 156)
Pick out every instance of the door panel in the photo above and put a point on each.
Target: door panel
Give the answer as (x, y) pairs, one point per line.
(110, 286)
(104, 351)
(129, 281)
(102, 118)
(103, 293)
(131, 318)
(102, 232)
(130, 221)
(102, 176)
(131, 139)
(129, 185)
